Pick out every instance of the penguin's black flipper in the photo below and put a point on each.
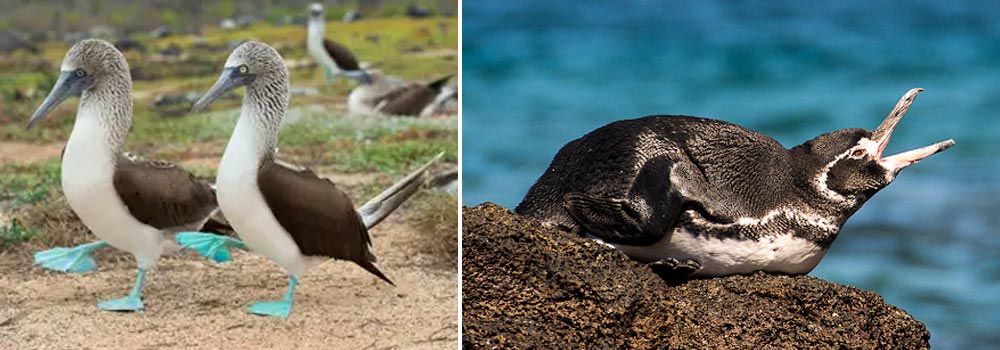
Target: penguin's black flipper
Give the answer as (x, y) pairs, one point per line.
(612, 220)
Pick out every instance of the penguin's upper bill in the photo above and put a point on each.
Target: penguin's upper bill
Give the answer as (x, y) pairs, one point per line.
(858, 166)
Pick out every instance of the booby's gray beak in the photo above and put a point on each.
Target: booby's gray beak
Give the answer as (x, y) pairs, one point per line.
(360, 75)
(883, 133)
(229, 80)
(64, 88)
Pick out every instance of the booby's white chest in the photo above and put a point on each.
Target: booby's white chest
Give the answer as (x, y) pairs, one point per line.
(244, 206)
(88, 183)
(314, 43)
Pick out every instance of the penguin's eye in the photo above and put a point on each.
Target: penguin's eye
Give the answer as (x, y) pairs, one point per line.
(80, 73)
(244, 69)
(858, 153)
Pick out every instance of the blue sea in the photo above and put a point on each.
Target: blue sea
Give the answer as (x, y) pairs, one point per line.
(538, 74)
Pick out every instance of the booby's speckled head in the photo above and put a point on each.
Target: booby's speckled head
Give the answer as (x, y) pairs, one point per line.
(90, 64)
(257, 66)
(847, 166)
(316, 10)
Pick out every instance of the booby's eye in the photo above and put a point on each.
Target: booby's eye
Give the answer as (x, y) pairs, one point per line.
(858, 153)
(80, 73)
(244, 69)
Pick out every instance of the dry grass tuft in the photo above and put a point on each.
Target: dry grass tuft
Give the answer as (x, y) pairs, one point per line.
(435, 217)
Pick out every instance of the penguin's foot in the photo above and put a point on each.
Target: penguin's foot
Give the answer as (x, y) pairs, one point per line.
(281, 308)
(74, 260)
(209, 245)
(131, 303)
(673, 268)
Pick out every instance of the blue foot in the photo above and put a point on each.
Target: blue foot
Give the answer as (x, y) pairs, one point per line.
(272, 308)
(281, 308)
(129, 303)
(209, 245)
(75, 260)
(133, 302)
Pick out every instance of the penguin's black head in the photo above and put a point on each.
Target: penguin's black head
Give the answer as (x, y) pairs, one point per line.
(847, 166)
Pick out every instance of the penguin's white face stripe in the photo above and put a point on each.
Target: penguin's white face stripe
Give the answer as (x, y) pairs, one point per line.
(822, 186)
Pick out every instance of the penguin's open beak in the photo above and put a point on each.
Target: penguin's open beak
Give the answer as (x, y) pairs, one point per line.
(884, 131)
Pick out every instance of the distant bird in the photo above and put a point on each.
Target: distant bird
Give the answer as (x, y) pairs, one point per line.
(696, 197)
(332, 57)
(380, 96)
(285, 213)
(417, 11)
(127, 202)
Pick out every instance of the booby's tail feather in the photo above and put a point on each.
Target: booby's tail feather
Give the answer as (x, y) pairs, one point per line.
(370, 267)
(386, 202)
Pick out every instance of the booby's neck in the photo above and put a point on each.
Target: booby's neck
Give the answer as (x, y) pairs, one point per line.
(107, 107)
(316, 28)
(256, 135)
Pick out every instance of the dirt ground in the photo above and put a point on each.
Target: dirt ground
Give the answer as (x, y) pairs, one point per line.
(192, 303)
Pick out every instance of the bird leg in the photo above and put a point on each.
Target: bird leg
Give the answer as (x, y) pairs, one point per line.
(75, 260)
(281, 308)
(209, 245)
(132, 302)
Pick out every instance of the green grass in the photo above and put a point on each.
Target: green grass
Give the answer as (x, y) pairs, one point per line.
(28, 184)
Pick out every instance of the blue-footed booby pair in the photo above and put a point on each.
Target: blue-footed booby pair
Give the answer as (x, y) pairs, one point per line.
(129, 203)
(287, 214)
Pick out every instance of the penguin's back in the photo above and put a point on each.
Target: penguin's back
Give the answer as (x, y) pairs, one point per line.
(606, 162)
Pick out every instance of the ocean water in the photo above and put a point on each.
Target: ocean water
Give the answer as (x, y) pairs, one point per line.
(538, 74)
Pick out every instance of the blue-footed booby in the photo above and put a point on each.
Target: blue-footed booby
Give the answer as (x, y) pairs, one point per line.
(287, 214)
(332, 57)
(129, 203)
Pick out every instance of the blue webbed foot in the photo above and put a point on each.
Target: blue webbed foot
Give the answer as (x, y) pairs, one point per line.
(272, 308)
(74, 260)
(129, 303)
(132, 302)
(209, 245)
(281, 308)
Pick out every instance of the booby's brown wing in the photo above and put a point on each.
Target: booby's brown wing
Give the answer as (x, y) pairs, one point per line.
(341, 56)
(162, 195)
(410, 99)
(319, 216)
(407, 100)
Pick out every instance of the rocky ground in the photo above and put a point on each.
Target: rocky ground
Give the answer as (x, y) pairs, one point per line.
(525, 286)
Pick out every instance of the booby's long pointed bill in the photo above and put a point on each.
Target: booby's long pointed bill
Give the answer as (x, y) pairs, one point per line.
(62, 90)
(226, 83)
(883, 133)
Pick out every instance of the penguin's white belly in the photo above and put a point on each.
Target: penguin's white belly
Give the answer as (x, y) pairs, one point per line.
(87, 182)
(782, 253)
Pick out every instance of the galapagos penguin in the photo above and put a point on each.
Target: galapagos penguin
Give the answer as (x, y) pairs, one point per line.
(697, 197)
(287, 214)
(128, 202)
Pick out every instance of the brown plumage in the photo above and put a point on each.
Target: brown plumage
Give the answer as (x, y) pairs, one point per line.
(341, 56)
(162, 195)
(320, 217)
(410, 99)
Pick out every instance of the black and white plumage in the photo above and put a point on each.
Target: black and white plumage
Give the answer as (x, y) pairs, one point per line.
(713, 198)
(334, 58)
